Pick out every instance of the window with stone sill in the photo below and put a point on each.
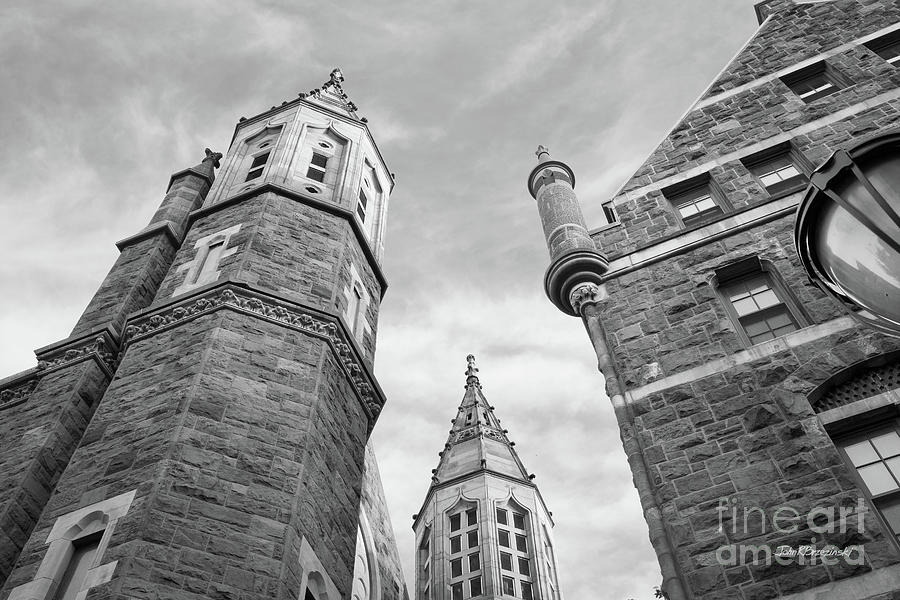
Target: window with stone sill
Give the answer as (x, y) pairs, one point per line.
(779, 170)
(814, 82)
(696, 201)
(757, 301)
(875, 458)
(609, 211)
(887, 47)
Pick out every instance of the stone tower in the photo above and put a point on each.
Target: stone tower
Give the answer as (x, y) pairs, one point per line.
(758, 418)
(203, 430)
(483, 530)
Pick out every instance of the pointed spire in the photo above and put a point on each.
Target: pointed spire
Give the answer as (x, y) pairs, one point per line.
(477, 441)
(472, 372)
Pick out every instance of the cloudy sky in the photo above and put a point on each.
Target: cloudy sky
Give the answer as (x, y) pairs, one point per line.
(102, 101)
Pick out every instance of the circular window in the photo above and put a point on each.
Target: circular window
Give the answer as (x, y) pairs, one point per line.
(264, 144)
(312, 190)
(325, 145)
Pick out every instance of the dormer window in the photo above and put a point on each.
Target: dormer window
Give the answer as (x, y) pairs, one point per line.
(317, 167)
(257, 166)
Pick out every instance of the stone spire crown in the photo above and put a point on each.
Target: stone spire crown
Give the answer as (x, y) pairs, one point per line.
(477, 442)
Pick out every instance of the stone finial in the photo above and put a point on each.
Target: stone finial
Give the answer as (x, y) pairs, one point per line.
(212, 157)
(337, 75)
(541, 150)
(471, 371)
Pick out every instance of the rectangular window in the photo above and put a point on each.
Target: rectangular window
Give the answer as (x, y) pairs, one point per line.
(521, 544)
(695, 201)
(887, 47)
(318, 165)
(471, 515)
(813, 82)
(777, 173)
(524, 567)
(454, 522)
(506, 561)
(504, 538)
(519, 520)
(473, 539)
(509, 586)
(455, 545)
(527, 593)
(501, 516)
(876, 458)
(456, 591)
(475, 587)
(426, 593)
(760, 311)
(609, 212)
(456, 567)
(257, 166)
(211, 259)
(474, 562)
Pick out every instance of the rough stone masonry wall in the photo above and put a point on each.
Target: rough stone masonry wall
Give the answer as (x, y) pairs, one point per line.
(764, 111)
(240, 438)
(37, 437)
(296, 251)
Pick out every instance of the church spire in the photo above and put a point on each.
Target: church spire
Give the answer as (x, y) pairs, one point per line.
(477, 442)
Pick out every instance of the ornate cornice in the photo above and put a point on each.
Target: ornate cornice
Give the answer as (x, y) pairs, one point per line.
(16, 392)
(100, 346)
(238, 298)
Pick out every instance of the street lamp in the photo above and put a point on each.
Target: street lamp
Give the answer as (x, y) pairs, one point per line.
(848, 230)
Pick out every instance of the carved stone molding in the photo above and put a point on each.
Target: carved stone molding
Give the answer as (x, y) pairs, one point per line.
(100, 347)
(17, 392)
(480, 431)
(230, 296)
(586, 293)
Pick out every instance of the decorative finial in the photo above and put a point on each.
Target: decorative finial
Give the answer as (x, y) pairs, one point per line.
(542, 150)
(471, 371)
(337, 75)
(212, 157)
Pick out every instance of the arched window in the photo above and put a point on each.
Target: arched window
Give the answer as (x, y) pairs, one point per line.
(859, 409)
(516, 540)
(757, 301)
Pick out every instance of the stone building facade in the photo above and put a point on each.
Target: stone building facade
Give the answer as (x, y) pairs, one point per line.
(760, 420)
(203, 431)
(484, 530)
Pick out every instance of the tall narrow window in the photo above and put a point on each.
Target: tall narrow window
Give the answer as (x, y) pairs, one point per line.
(474, 563)
(456, 567)
(475, 587)
(455, 522)
(211, 259)
(318, 165)
(471, 516)
(509, 586)
(760, 307)
(257, 166)
(82, 559)
(527, 593)
(361, 206)
(695, 202)
(609, 211)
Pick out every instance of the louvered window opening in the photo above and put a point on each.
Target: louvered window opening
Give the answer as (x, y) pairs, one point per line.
(865, 385)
